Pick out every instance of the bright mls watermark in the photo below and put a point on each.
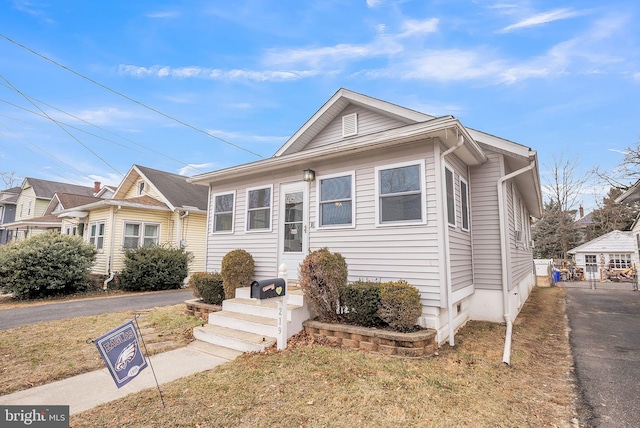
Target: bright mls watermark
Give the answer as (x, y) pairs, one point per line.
(34, 416)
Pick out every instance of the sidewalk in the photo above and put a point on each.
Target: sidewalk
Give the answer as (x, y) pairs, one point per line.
(91, 389)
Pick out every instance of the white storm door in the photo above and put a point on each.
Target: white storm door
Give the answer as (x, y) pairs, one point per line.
(293, 228)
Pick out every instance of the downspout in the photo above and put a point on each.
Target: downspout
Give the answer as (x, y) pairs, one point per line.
(447, 249)
(179, 228)
(504, 248)
(111, 247)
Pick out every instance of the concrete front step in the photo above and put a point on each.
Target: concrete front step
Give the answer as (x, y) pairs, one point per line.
(245, 322)
(218, 351)
(231, 338)
(267, 308)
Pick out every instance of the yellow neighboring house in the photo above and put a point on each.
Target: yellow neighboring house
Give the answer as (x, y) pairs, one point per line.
(149, 207)
(32, 215)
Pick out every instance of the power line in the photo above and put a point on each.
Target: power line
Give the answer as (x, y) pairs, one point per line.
(62, 127)
(128, 98)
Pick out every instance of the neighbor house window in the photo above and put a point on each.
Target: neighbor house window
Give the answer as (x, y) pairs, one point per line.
(620, 261)
(141, 235)
(336, 207)
(400, 194)
(223, 212)
(464, 203)
(259, 208)
(451, 196)
(96, 234)
(29, 208)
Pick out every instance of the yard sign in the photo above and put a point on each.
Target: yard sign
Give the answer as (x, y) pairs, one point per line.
(121, 353)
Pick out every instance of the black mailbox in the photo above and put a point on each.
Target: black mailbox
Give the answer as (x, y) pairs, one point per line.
(268, 288)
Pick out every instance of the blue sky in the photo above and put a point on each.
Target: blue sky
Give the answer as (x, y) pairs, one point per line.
(561, 77)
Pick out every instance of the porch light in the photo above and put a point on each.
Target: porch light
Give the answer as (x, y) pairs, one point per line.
(308, 175)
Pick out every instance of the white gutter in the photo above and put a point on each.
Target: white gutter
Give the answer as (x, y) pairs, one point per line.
(447, 249)
(111, 247)
(504, 248)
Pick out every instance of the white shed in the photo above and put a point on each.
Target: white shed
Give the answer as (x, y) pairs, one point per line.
(612, 253)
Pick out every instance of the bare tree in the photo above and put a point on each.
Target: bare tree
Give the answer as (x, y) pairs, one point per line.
(9, 179)
(564, 187)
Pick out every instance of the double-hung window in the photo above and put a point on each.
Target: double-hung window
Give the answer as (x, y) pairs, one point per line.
(141, 235)
(464, 203)
(96, 234)
(400, 194)
(336, 205)
(259, 208)
(451, 196)
(223, 212)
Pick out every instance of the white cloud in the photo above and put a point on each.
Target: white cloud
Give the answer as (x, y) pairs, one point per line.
(374, 3)
(213, 73)
(542, 18)
(164, 15)
(241, 136)
(196, 168)
(413, 27)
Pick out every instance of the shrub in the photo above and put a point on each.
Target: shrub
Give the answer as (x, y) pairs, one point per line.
(322, 276)
(400, 305)
(45, 265)
(208, 287)
(237, 271)
(154, 268)
(361, 301)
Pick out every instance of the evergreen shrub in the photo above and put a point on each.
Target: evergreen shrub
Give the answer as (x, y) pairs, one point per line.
(154, 268)
(208, 287)
(46, 265)
(237, 271)
(361, 300)
(322, 275)
(400, 305)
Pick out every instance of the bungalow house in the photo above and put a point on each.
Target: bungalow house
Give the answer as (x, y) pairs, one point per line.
(401, 195)
(149, 207)
(8, 198)
(32, 202)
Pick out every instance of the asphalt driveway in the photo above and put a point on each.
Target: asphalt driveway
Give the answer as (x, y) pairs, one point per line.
(605, 340)
(11, 318)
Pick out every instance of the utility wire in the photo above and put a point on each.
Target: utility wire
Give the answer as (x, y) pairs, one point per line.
(62, 127)
(129, 98)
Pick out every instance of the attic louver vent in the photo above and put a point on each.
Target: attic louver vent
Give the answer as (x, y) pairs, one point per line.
(350, 125)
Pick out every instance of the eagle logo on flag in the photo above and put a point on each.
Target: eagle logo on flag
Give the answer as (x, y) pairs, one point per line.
(126, 356)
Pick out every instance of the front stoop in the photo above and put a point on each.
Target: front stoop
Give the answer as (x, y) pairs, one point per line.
(250, 325)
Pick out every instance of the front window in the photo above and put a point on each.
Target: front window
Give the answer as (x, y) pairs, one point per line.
(336, 206)
(401, 194)
(464, 197)
(223, 213)
(141, 234)
(259, 209)
(96, 235)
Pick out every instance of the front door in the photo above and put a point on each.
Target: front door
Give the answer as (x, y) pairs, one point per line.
(293, 226)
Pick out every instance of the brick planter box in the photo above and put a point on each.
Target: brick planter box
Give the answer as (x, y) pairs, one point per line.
(419, 344)
(198, 308)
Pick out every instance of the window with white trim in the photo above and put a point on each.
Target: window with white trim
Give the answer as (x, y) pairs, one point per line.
(138, 235)
(620, 261)
(336, 206)
(464, 203)
(400, 194)
(259, 209)
(96, 234)
(451, 196)
(223, 205)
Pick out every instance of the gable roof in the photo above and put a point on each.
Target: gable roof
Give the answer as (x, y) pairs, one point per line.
(632, 194)
(617, 240)
(68, 200)
(45, 189)
(175, 191)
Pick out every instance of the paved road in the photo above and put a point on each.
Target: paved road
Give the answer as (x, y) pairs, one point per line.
(605, 339)
(11, 318)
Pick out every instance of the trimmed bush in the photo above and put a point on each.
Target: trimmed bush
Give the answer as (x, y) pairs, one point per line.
(361, 301)
(322, 276)
(154, 268)
(208, 287)
(400, 305)
(237, 271)
(46, 265)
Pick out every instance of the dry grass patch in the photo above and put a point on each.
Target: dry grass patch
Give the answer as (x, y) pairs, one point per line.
(312, 385)
(50, 351)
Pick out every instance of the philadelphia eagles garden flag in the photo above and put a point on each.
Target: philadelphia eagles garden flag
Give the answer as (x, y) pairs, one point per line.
(121, 353)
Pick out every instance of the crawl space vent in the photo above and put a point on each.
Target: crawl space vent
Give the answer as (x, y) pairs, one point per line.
(350, 125)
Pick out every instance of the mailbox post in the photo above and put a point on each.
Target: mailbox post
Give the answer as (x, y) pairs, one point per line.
(275, 288)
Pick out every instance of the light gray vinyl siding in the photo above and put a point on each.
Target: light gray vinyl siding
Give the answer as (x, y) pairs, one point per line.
(369, 122)
(459, 240)
(386, 253)
(521, 252)
(485, 223)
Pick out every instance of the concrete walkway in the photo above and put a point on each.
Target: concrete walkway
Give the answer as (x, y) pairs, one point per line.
(89, 390)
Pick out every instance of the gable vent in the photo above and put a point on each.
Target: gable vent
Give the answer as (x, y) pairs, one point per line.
(350, 125)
